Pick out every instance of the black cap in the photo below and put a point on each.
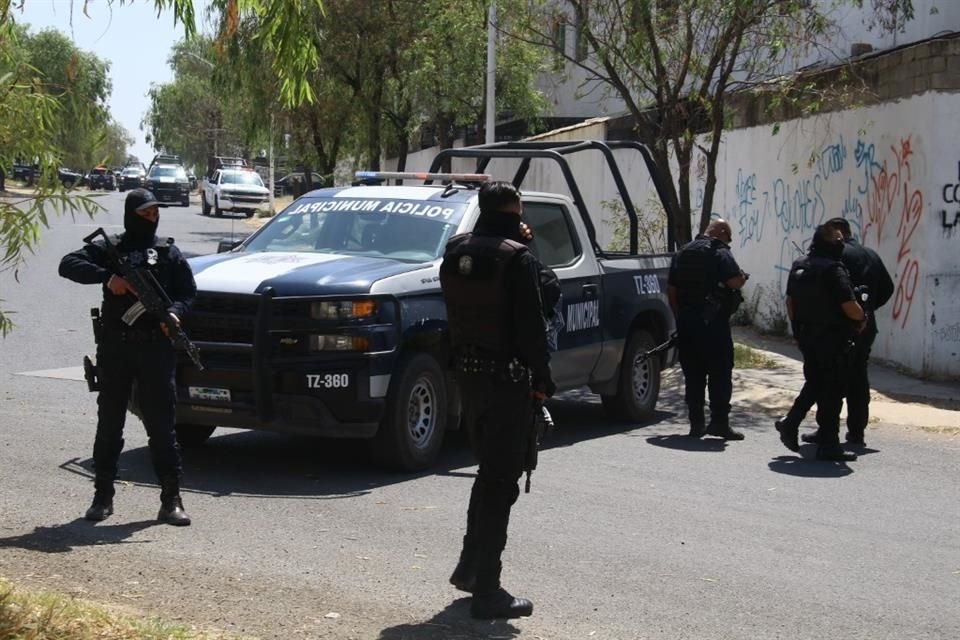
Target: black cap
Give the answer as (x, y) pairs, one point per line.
(139, 199)
(840, 223)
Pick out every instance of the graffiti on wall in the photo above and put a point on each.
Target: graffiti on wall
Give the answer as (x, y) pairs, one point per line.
(878, 197)
(950, 214)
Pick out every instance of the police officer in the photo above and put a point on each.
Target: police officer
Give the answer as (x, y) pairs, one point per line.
(134, 348)
(704, 280)
(491, 288)
(825, 315)
(868, 274)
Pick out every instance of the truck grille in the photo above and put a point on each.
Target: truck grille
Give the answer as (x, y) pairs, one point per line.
(223, 318)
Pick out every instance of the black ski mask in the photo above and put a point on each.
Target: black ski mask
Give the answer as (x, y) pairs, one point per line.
(140, 232)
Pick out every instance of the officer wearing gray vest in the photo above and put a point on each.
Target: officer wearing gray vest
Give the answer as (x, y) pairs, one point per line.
(704, 280)
(498, 338)
(826, 318)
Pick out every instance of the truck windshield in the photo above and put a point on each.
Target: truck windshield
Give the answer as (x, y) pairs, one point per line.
(241, 177)
(405, 230)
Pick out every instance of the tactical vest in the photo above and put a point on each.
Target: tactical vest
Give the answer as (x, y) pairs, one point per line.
(696, 271)
(473, 276)
(811, 302)
(157, 260)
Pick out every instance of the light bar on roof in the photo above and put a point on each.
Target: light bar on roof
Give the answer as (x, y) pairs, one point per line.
(418, 175)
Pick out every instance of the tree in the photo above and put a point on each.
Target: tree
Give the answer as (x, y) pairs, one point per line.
(79, 81)
(675, 64)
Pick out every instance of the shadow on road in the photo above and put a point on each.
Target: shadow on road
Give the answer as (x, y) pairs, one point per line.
(686, 443)
(452, 623)
(808, 467)
(265, 464)
(62, 538)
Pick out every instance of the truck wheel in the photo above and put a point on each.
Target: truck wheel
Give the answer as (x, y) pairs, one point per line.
(193, 435)
(185, 202)
(415, 418)
(217, 211)
(204, 206)
(639, 384)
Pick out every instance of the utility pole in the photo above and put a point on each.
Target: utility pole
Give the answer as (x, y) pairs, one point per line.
(270, 172)
(491, 73)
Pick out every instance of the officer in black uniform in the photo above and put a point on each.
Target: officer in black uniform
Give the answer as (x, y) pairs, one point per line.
(491, 288)
(703, 282)
(869, 275)
(134, 348)
(826, 318)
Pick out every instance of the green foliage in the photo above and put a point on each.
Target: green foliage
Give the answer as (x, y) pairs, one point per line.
(651, 226)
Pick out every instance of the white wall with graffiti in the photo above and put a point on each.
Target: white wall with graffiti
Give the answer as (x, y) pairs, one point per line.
(893, 171)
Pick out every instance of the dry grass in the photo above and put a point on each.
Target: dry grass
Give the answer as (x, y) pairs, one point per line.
(33, 615)
(746, 358)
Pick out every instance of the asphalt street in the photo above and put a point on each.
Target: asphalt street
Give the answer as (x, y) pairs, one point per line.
(630, 531)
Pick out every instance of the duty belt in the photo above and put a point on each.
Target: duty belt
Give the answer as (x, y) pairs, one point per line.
(140, 335)
(512, 370)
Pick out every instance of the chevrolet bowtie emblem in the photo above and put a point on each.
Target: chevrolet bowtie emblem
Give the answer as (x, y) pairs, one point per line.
(289, 340)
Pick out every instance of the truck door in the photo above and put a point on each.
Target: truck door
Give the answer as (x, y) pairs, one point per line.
(557, 245)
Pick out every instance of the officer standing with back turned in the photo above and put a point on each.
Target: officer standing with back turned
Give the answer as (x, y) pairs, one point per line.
(492, 292)
(133, 347)
(826, 319)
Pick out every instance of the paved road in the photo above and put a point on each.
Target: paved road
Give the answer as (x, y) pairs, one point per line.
(630, 531)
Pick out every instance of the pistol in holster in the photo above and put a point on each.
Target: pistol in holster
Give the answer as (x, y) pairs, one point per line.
(91, 374)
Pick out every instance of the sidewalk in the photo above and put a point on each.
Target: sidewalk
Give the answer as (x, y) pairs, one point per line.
(897, 398)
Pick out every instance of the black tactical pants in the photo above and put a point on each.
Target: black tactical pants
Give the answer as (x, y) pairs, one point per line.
(826, 368)
(706, 357)
(499, 416)
(152, 364)
(857, 392)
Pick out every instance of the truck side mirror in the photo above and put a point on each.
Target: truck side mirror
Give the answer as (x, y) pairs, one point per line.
(226, 245)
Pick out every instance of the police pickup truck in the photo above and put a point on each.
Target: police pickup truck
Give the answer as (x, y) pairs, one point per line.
(329, 320)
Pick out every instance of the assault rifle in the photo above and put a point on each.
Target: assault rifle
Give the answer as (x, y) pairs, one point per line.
(660, 348)
(542, 425)
(151, 295)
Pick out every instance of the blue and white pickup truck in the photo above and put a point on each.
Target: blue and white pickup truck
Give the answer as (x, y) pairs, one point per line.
(329, 319)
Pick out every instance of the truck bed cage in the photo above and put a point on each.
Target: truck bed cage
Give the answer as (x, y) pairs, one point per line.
(556, 151)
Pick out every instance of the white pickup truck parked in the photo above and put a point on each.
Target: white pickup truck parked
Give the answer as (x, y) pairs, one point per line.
(233, 189)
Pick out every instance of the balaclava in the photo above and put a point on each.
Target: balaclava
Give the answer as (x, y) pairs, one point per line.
(140, 232)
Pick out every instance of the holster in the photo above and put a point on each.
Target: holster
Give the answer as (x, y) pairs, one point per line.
(97, 324)
(91, 374)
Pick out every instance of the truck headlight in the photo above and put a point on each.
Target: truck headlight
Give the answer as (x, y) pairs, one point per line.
(338, 343)
(342, 309)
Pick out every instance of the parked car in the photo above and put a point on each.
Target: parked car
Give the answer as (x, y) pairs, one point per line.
(169, 183)
(131, 178)
(68, 178)
(293, 184)
(101, 178)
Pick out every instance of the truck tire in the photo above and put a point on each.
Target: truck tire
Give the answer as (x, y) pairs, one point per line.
(204, 205)
(415, 419)
(217, 211)
(639, 384)
(193, 435)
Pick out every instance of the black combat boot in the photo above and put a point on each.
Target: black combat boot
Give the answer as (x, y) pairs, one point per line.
(698, 424)
(101, 509)
(788, 434)
(723, 430)
(811, 438)
(491, 601)
(464, 577)
(103, 492)
(171, 506)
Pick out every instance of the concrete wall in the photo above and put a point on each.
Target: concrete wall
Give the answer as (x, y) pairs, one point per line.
(889, 169)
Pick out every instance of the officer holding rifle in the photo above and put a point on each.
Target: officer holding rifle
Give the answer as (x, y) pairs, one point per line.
(135, 345)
